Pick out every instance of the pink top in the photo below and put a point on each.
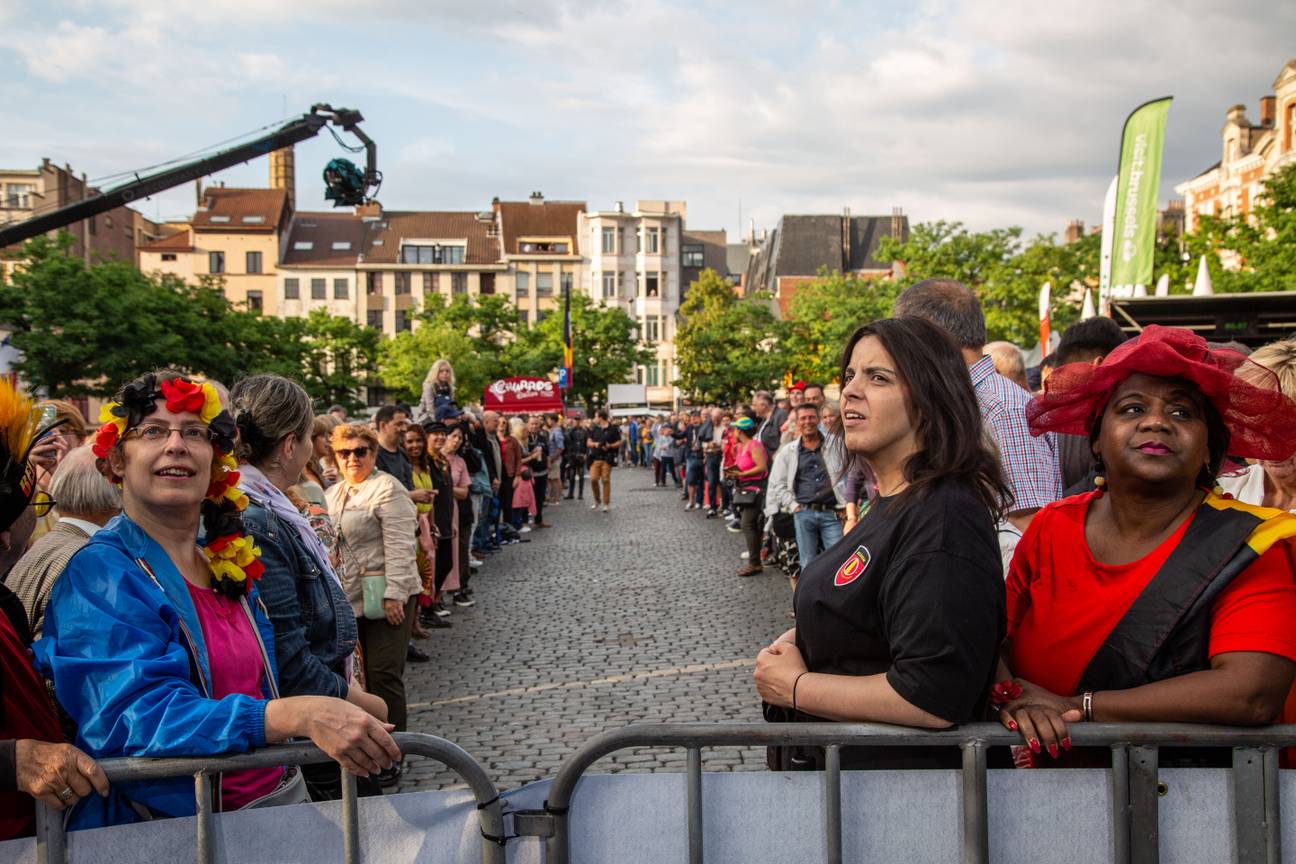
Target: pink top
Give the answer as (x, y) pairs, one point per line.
(745, 462)
(236, 667)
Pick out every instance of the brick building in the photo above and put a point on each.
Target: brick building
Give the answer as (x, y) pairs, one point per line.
(1249, 153)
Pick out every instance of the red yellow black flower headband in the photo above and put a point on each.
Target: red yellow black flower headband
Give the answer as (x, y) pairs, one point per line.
(231, 556)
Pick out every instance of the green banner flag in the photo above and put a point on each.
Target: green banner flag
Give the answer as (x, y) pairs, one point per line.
(1138, 183)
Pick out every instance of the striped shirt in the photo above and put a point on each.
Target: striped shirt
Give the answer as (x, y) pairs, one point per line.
(1030, 464)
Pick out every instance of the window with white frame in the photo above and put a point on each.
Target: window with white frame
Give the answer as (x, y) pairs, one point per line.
(692, 255)
(651, 284)
(435, 253)
(653, 241)
(610, 286)
(652, 329)
(523, 283)
(609, 241)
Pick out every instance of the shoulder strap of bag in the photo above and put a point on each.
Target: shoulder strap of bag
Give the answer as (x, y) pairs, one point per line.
(1212, 552)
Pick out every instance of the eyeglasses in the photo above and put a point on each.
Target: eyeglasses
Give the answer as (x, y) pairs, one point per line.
(156, 433)
(358, 452)
(42, 503)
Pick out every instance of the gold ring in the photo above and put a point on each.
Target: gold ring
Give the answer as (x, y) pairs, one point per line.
(67, 794)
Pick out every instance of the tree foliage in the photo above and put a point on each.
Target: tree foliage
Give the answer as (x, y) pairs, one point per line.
(83, 330)
(484, 339)
(726, 347)
(1006, 273)
(822, 316)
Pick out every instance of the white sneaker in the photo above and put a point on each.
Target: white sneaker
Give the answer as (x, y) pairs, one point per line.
(525, 529)
(474, 563)
(594, 506)
(743, 556)
(606, 508)
(688, 506)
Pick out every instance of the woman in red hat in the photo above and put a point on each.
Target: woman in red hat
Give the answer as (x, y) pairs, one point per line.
(1153, 597)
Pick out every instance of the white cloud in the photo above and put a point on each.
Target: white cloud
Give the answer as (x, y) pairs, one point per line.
(993, 113)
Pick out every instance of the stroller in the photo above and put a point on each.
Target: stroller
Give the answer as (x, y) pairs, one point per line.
(783, 537)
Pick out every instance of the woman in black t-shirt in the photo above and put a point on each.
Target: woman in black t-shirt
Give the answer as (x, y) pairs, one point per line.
(901, 620)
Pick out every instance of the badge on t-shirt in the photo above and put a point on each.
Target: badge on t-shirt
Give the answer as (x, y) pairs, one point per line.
(852, 567)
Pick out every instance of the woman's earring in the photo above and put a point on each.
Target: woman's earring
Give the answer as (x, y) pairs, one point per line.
(1099, 480)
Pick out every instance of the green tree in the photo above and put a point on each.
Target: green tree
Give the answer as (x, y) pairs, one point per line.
(406, 358)
(726, 347)
(605, 348)
(338, 356)
(824, 313)
(1005, 273)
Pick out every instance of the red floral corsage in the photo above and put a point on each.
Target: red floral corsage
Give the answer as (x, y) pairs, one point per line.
(1004, 692)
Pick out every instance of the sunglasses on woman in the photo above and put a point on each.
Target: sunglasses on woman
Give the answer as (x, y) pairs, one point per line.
(358, 452)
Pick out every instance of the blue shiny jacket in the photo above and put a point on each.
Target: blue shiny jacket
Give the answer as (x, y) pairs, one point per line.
(315, 627)
(117, 647)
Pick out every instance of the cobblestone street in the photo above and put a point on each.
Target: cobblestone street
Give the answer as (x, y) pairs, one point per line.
(602, 620)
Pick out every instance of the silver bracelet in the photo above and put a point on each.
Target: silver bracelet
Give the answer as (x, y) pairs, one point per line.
(1086, 704)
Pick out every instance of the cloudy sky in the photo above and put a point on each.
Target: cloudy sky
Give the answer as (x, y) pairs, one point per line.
(993, 113)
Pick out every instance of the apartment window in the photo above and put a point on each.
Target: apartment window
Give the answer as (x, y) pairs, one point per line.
(609, 241)
(544, 284)
(19, 195)
(215, 262)
(402, 321)
(523, 284)
(221, 220)
(650, 284)
(319, 289)
(541, 314)
(374, 319)
(431, 254)
(486, 283)
(533, 247)
(292, 289)
(431, 283)
(402, 282)
(168, 256)
(458, 283)
(609, 286)
(374, 283)
(254, 301)
(524, 316)
(654, 379)
(253, 220)
(565, 281)
(341, 289)
(92, 222)
(254, 262)
(653, 237)
(652, 329)
(691, 255)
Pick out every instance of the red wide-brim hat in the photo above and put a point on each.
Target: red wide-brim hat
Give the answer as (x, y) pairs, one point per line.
(1260, 419)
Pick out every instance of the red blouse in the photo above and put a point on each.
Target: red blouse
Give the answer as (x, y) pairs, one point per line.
(1062, 603)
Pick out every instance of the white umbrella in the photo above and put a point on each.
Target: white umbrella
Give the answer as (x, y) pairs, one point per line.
(1088, 311)
(1163, 285)
(1202, 287)
(1140, 290)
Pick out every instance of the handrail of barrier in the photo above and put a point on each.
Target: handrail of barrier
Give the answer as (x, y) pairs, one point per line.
(1133, 776)
(51, 839)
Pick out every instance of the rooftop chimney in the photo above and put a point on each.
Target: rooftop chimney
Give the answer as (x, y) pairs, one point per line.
(1268, 110)
(846, 240)
(283, 174)
(1074, 231)
(620, 206)
(537, 198)
(370, 211)
(897, 223)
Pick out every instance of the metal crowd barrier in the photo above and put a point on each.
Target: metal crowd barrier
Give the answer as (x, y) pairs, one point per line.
(51, 845)
(1133, 777)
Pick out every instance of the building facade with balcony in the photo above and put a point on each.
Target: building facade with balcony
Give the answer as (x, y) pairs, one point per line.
(1249, 154)
(540, 251)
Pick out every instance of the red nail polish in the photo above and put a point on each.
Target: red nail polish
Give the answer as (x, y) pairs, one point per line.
(1066, 744)
(1034, 745)
(1053, 750)
(1012, 725)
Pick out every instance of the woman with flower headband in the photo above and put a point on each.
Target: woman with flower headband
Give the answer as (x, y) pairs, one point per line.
(157, 646)
(1153, 598)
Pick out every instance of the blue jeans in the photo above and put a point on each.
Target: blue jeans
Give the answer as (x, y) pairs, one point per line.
(816, 531)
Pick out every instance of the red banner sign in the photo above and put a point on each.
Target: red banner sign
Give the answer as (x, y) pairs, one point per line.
(523, 396)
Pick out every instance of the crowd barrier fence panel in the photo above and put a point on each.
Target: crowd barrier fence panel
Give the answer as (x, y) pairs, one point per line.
(1133, 778)
(51, 838)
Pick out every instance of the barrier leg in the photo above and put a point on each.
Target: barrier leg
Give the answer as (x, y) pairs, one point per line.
(695, 805)
(350, 819)
(51, 839)
(1145, 829)
(976, 820)
(832, 796)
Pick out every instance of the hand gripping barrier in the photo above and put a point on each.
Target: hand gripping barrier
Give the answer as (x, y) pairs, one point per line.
(1133, 777)
(51, 847)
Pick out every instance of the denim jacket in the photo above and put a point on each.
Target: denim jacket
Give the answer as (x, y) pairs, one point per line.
(315, 628)
(127, 657)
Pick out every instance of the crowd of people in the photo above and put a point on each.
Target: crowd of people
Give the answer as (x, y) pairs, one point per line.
(1108, 537)
(327, 547)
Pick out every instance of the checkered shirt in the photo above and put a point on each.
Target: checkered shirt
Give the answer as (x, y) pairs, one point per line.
(1030, 464)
